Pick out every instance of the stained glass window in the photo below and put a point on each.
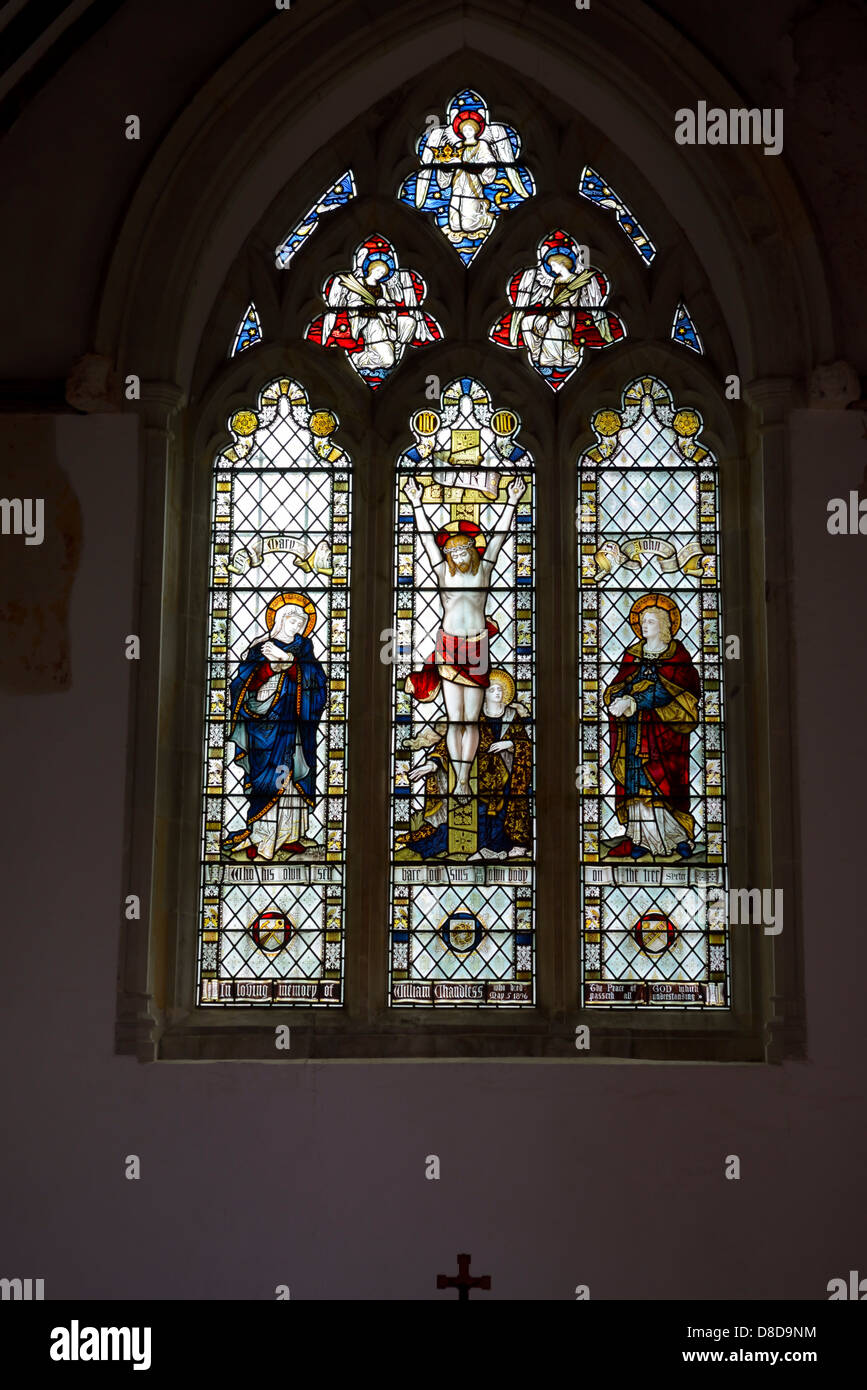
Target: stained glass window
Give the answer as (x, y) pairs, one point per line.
(557, 311)
(248, 332)
(272, 891)
(336, 196)
(651, 718)
(683, 330)
(469, 174)
(594, 188)
(462, 769)
(374, 312)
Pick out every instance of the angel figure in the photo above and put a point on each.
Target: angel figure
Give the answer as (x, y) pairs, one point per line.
(374, 312)
(468, 174)
(558, 310)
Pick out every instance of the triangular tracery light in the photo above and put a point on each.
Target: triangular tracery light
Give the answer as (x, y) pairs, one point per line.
(249, 330)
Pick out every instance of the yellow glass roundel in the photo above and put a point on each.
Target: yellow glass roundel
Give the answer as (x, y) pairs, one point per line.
(606, 422)
(322, 423)
(244, 422)
(425, 422)
(686, 422)
(504, 422)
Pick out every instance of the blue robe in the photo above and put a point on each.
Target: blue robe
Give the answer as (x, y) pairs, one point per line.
(279, 735)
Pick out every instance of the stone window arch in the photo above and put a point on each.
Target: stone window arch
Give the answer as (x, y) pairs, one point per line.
(170, 309)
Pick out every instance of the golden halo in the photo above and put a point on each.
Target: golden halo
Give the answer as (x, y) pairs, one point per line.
(606, 422)
(301, 600)
(323, 423)
(243, 422)
(686, 422)
(653, 601)
(501, 677)
(425, 422)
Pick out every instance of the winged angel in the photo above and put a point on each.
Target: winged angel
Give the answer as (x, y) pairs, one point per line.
(468, 174)
(374, 312)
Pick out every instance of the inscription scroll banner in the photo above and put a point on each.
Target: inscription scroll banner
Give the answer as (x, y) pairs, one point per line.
(308, 557)
(464, 992)
(637, 875)
(615, 992)
(265, 991)
(485, 481)
(509, 992)
(639, 992)
(273, 873)
(460, 874)
(675, 992)
(634, 554)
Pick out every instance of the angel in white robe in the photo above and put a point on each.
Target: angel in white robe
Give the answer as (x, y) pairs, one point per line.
(549, 331)
(470, 213)
(377, 299)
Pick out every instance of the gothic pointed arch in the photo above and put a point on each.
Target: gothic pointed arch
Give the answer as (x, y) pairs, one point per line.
(236, 183)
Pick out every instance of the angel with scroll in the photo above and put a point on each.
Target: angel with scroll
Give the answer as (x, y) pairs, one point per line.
(373, 311)
(558, 310)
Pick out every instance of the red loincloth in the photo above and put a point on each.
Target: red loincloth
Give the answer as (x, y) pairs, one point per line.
(463, 660)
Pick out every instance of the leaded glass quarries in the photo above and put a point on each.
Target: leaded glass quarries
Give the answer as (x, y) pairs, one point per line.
(652, 771)
(462, 897)
(558, 311)
(469, 174)
(336, 196)
(272, 890)
(593, 187)
(374, 312)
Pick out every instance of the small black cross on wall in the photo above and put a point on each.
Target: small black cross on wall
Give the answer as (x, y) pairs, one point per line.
(463, 1280)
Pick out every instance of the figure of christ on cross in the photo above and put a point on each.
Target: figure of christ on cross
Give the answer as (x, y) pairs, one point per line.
(460, 663)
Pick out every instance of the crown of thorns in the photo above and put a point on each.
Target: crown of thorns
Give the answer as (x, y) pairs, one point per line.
(460, 533)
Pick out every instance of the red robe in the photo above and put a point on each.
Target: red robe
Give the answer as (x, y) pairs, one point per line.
(659, 746)
(584, 331)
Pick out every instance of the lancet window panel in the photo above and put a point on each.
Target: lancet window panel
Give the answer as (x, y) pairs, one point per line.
(651, 775)
(272, 900)
(462, 817)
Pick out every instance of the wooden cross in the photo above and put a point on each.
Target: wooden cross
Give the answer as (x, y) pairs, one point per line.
(463, 1280)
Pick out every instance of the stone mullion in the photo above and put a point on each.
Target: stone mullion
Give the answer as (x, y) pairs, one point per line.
(566, 730)
(369, 737)
(552, 733)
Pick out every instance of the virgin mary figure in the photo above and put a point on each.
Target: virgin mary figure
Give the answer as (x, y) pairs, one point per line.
(277, 699)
